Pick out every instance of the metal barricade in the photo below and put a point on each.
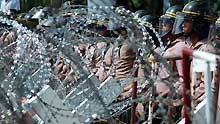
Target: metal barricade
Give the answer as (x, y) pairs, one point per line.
(206, 63)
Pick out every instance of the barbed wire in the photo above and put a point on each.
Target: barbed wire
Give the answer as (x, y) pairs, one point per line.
(84, 97)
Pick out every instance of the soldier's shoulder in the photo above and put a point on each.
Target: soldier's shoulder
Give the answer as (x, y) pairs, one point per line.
(180, 42)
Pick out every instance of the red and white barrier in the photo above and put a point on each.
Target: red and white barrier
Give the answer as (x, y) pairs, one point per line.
(202, 62)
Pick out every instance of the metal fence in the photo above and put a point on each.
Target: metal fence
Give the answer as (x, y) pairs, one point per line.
(206, 63)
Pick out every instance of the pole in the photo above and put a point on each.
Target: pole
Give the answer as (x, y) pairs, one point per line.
(216, 92)
(209, 107)
(134, 104)
(186, 84)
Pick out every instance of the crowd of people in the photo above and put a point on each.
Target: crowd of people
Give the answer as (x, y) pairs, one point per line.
(191, 26)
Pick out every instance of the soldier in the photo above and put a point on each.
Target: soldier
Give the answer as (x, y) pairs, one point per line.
(171, 42)
(95, 51)
(190, 22)
(194, 22)
(62, 67)
(119, 59)
(214, 39)
(154, 21)
(214, 34)
(151, 19)
(166, 22)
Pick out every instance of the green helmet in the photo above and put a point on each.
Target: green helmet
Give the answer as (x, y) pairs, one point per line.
(151, 19)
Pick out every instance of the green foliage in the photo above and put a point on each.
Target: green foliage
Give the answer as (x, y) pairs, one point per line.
(153, 5)
(215, 5)
(137, 3)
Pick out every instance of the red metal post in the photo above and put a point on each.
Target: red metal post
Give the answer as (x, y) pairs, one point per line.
(186, 83)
